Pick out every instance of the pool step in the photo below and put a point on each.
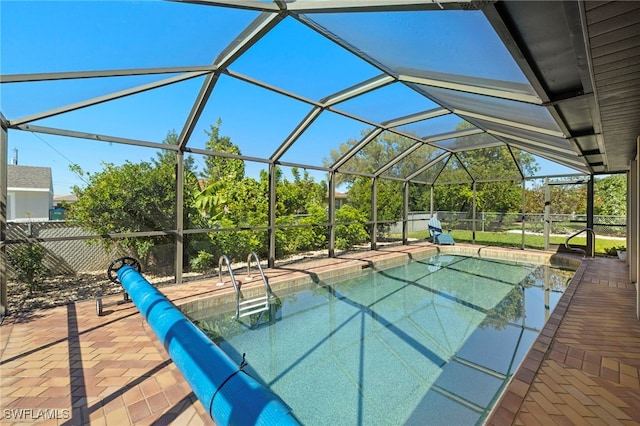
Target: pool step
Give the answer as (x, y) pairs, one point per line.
(245, 307)
(253, 306)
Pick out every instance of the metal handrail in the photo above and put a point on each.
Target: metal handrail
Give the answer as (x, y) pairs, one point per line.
(584, 253)
(249, 306)
(254, 255)
(233, 279)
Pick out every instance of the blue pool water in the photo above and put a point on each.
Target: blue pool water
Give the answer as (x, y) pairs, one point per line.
(430, 342)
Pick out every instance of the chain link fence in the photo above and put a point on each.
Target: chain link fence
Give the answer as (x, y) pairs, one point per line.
(615, 226)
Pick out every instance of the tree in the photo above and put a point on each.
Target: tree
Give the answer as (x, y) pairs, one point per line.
(299, 202)
(495, 162)
(610, 195)
(296, 196)
(220, 168)
(135, 197)
(220, 174)
(565, 199)
(229, 199)
(380, 152)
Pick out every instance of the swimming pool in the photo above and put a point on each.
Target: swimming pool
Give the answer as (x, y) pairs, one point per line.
(429, 342)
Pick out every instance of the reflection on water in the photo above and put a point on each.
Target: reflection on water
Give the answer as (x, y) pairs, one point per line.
(432, 340)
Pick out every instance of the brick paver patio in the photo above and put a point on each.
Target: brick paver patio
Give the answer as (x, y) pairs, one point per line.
(585, 366)
(79, 368)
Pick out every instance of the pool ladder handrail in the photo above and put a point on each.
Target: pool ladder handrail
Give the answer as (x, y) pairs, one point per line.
(584, 253)
(228, 263)
(246, 307)
(260, 303)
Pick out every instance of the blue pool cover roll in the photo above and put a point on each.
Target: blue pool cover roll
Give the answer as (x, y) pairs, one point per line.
(229, 394)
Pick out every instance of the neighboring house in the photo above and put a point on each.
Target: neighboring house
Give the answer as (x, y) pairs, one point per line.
(60, 205)
(341, 199)
(61, 201)
(29, 193)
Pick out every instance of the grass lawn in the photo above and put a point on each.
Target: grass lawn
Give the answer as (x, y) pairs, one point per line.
(504, 239)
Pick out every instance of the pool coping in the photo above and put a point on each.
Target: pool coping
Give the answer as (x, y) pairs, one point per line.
(284, 280)
(507, 406)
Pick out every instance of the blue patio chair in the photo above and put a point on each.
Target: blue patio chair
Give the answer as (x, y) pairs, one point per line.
(437, 236)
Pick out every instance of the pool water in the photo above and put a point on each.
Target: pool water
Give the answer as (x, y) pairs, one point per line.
(430, 342)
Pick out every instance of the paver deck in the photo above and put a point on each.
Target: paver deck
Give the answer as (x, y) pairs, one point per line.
(584, 367)
(68, 366)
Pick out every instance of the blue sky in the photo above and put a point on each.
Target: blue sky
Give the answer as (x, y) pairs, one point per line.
(81, 35)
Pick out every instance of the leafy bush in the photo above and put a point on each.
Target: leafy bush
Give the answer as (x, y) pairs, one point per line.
(613, 251)
(203, 262)
(354, 233)
(236, 244)
(28, 263)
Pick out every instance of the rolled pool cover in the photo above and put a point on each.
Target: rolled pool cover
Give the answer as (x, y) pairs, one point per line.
(229, 394)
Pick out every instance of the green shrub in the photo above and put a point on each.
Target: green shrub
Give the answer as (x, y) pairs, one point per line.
(203, 262)
(28, 263)
(354, 233)
(237, 245)
(613, 251)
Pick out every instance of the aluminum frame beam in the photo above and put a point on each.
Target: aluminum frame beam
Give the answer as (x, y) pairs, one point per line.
(236, 4)
(358, 89)
(94, 137)
(414, 118)
(249, 36)
(343, 6)
(74, 75)
(106, 98)
(544, 145)
(450, 135)
(427, 166)
(295, 134)
(398, 158)
(510, 123)
(476, 89)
